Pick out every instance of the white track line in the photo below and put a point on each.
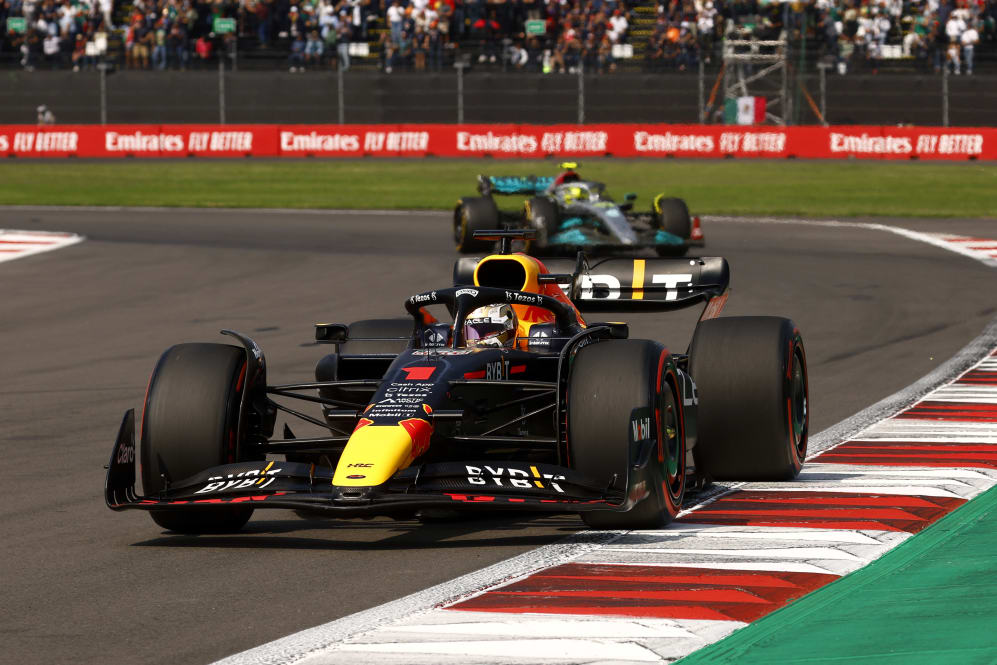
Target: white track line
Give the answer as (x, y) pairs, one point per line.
(952, 243)
(230, 211)
(378, 635)
(19, 244)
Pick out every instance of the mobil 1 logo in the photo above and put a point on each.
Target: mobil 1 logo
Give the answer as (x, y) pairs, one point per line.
(640, 431)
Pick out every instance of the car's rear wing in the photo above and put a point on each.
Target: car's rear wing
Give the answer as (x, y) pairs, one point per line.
(632, 285)
(530, 185)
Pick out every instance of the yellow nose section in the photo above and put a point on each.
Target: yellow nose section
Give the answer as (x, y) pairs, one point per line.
(375, 452)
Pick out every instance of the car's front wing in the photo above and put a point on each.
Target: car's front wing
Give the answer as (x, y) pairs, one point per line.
(277, 484)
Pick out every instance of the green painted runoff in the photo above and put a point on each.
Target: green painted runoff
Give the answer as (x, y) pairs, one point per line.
(931, 600)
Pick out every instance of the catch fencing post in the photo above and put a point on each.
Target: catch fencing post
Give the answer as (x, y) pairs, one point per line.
(459, 66)
(102, 68)
(581, 94)
(822, 67)
(702, 90)
(945, 96)
(221, 88)
(341, 96)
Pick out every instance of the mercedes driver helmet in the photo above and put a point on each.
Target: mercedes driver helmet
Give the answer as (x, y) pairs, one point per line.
(492, 325)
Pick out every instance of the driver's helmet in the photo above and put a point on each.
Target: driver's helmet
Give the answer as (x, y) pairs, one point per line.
(574, 193)
(492, 325)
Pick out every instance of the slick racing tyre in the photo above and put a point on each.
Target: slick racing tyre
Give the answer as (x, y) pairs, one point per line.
(472, 214)
(672, 216)
(625, 420)
(754, 410)
(189, 424)
(540, 214)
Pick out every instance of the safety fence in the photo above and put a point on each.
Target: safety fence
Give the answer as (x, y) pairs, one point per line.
(247, 98)
(517, 141)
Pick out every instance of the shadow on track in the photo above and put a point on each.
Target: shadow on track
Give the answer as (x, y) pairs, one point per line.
(380, 534)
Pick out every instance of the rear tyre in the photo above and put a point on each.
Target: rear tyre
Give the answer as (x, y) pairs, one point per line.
(189, 424)
(472, 214)
(541, 216)
(672, 216)
(614, 386)
(754, 410)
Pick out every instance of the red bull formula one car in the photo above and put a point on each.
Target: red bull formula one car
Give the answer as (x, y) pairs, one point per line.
(513, 402)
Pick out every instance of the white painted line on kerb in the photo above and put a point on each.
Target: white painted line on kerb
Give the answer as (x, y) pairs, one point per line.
(318, 645)
(18, 244)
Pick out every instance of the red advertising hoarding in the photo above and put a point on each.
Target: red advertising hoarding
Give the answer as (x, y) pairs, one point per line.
(513, 141)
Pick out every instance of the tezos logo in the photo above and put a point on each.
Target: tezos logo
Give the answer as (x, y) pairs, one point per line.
(425, 297)
(519, 297)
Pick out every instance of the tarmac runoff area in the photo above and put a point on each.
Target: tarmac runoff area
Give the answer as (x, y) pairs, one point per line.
(878, 310)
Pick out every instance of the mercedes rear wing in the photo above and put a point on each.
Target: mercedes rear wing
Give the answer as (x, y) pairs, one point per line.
(530, 185)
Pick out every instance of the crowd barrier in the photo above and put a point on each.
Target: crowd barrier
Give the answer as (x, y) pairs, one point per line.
(517, 141)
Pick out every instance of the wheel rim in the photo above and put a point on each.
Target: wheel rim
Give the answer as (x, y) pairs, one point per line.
(674, 462)
(799, 407)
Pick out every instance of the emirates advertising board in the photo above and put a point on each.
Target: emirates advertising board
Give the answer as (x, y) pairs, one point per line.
(512, 141)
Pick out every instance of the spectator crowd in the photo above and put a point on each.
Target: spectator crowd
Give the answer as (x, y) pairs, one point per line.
(55, 32)
(423, 34)
(937, 34)
(532, 35)
(848, 34)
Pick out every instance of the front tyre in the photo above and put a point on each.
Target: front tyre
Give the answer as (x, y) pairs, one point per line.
(189, 424)
(671, 215)
(474, 213)
(625, 421)
(754, 409)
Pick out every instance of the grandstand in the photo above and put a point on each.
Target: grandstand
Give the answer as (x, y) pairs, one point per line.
(498, 35)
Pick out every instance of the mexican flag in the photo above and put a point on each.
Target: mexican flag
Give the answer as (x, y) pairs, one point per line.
(744, 111)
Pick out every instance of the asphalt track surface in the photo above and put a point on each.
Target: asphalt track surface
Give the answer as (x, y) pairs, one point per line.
(82, 327)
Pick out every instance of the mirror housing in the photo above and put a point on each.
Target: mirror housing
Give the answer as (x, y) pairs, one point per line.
(332, 332)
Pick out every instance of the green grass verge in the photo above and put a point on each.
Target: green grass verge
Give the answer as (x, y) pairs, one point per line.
(824, 189)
